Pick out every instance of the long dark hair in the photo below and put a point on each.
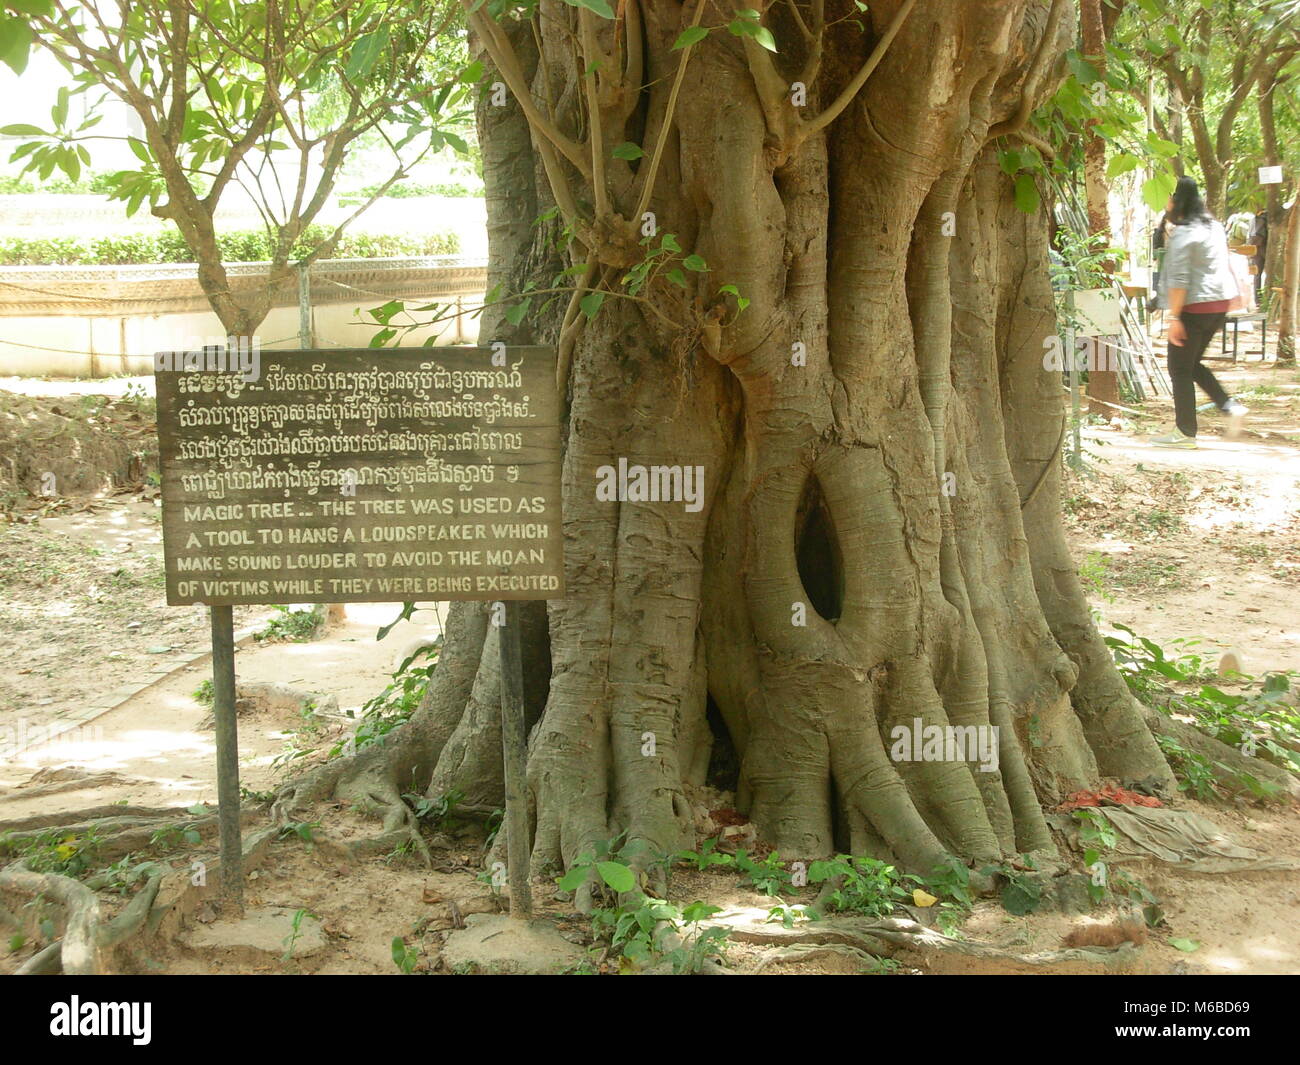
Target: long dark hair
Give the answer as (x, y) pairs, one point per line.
(1188, 205)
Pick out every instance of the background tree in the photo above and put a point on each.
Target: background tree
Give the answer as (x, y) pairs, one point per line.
(1214, 56)
(1097, 22)
(802, 268)
(267, 98)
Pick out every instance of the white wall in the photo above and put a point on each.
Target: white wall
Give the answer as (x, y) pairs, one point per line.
(102, 347)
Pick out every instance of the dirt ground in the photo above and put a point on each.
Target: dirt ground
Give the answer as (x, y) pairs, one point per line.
(1201, 545)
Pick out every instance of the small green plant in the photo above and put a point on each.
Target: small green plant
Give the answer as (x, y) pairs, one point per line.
(55, 851)
(169, 837)
(1262, 720)
(393, 706)
(298, 626)
(203, 694)
(1092, 574)
(862, 885)
(789, 916)
(16, 942)
(401, 852)
(262, 798)
(639, 928)
(1020, 894)
(1098, 836)
(767, 876)
(707, 857)
(404, 957)
(494, 820)
(124, 874)
(302, 829)
(950, 883)
(295, 931)
(437, 813)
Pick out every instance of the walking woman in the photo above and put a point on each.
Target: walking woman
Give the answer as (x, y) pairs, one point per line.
(1200, 289)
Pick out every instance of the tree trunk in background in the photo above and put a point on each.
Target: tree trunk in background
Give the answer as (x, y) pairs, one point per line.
(1277, 219)
(880, 536)
(1103, 385)
(1286, 346)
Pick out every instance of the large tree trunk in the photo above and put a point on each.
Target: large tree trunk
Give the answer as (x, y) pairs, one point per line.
(880, 539)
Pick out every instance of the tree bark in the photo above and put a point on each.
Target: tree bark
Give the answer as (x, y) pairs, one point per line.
(879, 539)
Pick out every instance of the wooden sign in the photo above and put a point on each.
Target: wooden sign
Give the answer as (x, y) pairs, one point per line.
(360, 475)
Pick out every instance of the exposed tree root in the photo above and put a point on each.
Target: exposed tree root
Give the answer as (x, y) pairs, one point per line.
(891, 937)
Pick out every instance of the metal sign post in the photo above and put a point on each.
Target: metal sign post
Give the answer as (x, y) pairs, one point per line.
(223, 710)
(514, 749)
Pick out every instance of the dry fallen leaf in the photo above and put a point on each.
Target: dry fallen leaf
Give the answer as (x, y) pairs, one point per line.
(923, 898)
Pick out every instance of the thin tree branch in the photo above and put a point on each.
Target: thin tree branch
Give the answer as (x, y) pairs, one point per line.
(860, 79)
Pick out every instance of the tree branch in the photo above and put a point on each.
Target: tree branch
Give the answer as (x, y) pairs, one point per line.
(860, 79)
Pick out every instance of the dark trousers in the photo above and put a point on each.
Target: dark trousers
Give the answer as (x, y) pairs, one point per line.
(1186, 369)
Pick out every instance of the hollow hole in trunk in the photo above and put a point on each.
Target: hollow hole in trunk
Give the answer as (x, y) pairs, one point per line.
(724, 764)
(817, 554)
(536, 646)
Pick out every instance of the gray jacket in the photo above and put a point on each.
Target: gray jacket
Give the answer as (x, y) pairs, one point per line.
(1197, 260)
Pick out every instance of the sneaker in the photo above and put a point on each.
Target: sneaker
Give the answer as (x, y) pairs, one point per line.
(1175, 439)
(1236, 412)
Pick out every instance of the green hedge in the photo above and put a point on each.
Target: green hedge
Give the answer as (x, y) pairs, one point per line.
(409, 189)
(100, 183)
(240, 246)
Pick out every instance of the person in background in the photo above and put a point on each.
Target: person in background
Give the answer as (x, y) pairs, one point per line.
(1159, 238)
(1259, 238)
(1199, 289)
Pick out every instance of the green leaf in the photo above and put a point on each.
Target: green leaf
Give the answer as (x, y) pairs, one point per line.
(472, 73)
(697, 911)
(1009, 161)
(385, 314)
(1020, 897)
(669, 243)
(15, 43)
(59, 112)
(1185, 945)
(591, 303)
(696, 263)
(1027, 198)
(676, 277)
(21, 129)
(618, 876)
(574, 878)
(1156, 190)
(515, 314)
(628, 150)
(689, 36)
(746, 24)
(365, 53)
(1121, 164)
